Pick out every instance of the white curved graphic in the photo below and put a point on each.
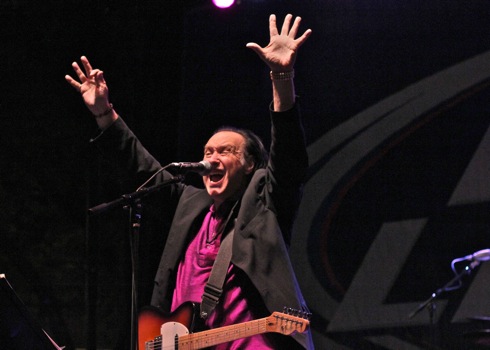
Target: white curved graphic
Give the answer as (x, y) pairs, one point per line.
(352, 141)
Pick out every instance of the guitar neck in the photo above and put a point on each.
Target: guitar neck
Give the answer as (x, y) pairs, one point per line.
(225, 334)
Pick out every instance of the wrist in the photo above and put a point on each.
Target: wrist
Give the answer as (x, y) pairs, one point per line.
(282, 76)
(106, 112)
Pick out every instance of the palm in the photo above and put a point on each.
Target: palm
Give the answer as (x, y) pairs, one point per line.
(281, 52)
(93, 92)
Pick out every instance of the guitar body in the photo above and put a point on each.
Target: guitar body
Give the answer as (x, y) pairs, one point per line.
(151, 319)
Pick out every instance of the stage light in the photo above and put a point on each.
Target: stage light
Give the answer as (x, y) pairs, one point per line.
(223, 3)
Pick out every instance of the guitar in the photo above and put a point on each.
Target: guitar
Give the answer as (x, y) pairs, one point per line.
(157, 330)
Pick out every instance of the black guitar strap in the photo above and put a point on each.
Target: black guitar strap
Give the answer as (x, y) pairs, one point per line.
(214, 286)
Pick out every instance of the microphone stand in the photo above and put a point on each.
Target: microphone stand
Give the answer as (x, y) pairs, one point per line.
(429, 303)
(132, 201)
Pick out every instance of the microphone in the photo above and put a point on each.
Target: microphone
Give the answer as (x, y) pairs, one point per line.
(481, 255)
(202, 168)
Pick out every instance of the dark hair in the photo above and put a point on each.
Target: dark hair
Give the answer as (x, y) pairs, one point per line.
(254, 148)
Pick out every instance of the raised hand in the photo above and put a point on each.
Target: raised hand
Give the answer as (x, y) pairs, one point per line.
(280, 53)
(95, 93)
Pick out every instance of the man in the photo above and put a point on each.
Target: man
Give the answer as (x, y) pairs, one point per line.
(245, 192)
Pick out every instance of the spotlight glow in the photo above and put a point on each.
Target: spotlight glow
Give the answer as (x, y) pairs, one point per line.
(223, 3)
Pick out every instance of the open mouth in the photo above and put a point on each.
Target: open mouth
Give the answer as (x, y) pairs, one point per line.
(215, 177)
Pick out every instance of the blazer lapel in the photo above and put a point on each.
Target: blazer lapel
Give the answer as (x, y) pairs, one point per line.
(188, 217)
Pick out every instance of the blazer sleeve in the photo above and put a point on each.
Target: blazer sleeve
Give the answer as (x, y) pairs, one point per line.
(132, 161)
(287, 167)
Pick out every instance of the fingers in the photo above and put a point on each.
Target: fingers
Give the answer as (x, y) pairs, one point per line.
(287, 29)
(273, 26)
(294, 29)
(255, 47)
(99, 77)
(86, 65)
(300, 41)
(76, 85)
(89, 77)
(79, 72)
(286, 24)
(258, 50)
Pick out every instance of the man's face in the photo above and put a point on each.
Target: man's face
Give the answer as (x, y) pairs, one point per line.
(228, 177)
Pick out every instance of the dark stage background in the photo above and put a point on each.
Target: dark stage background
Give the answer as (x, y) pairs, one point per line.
(395, 100)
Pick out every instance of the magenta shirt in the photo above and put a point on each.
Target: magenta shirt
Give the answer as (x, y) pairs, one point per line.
(193, 273)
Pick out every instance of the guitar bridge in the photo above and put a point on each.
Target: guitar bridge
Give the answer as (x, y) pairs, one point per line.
(155, 344)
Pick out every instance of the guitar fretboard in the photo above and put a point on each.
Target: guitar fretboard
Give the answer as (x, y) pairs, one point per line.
(222, 335)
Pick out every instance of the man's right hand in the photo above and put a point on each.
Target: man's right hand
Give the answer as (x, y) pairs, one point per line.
(95, 93)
